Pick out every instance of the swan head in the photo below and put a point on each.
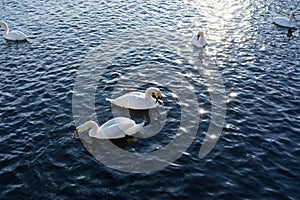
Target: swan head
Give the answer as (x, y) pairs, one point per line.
(155, 91)
(86, 126)
(75, 134)
(158, 96)
(200, 35)
(292, 16)
(3, 24)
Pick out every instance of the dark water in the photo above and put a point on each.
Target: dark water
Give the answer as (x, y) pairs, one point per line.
(257, 155)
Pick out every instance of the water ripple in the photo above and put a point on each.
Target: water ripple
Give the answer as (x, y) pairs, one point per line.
(258, 153)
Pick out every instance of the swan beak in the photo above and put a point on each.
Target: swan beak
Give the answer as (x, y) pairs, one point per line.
(158, 99)
(75, 134)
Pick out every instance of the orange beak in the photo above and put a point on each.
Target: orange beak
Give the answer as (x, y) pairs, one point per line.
(75, 134)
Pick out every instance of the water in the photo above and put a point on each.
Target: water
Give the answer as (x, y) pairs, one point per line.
(257, 155)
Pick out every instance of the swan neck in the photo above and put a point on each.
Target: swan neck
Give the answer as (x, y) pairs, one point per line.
(89, 125)
(6, 29)
(149, 92)
(291, 18)
(200, 36)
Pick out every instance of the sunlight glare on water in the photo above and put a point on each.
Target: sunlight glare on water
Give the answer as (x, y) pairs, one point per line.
(258, 150)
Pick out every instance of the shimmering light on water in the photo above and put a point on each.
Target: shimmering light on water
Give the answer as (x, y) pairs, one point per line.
(178, 62)
(233, 94)
(174, 96)
(210, 89)
(201, 112)
(257, 155)
(213, 136)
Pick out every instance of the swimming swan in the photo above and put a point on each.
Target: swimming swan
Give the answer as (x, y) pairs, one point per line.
(138, 100)
(12, 35)
(285, 22)
(199, 40)
(115, 128)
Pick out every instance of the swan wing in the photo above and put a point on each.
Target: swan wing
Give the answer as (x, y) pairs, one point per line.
(134, 129)
(114, 128)
(140, 103)
(283, 21)
(15, 35)
(123, 101)
(198, 43)
(112, 133)
(134, 100)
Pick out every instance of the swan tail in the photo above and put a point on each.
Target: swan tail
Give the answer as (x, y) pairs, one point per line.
(142, 124)
(28, 40)
(134, 129)
(110, 100)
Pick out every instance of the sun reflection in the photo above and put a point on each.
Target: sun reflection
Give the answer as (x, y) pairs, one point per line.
(210, 89)
(201, 112)
(197, 23)
(233, 94)
(189, 75)
(207, 73)
(213, 136)
(227, 126)
(179, 25)
(175, 96)
(178, 62)
(190, 87)
(220, 16)
(199, 80)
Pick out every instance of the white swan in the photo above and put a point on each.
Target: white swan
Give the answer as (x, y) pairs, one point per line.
(115, 128)
(138, 100)
(12, 35)
(199, 40)
(285, 22)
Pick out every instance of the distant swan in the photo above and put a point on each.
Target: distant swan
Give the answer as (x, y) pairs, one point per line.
(138, 100)
(115, 128)
(285, 22)
(199, 40)
(12, 35)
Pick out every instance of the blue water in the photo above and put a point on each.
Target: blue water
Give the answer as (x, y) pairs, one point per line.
(258, 153)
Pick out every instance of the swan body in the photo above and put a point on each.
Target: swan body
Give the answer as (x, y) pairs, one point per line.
(12, 35)
(115, 128)
(199, 40)
(138, 100)
(285, 22)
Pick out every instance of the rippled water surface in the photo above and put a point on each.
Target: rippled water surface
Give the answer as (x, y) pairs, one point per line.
(122, 46)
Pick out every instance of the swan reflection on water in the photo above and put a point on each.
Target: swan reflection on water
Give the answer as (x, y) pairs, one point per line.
(123, 143)
(290, 33)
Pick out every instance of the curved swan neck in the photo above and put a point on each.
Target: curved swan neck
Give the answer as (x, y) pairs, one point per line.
(150, 91)
(6, 29)
(291, 17)
(200, 36)
(88, 125)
